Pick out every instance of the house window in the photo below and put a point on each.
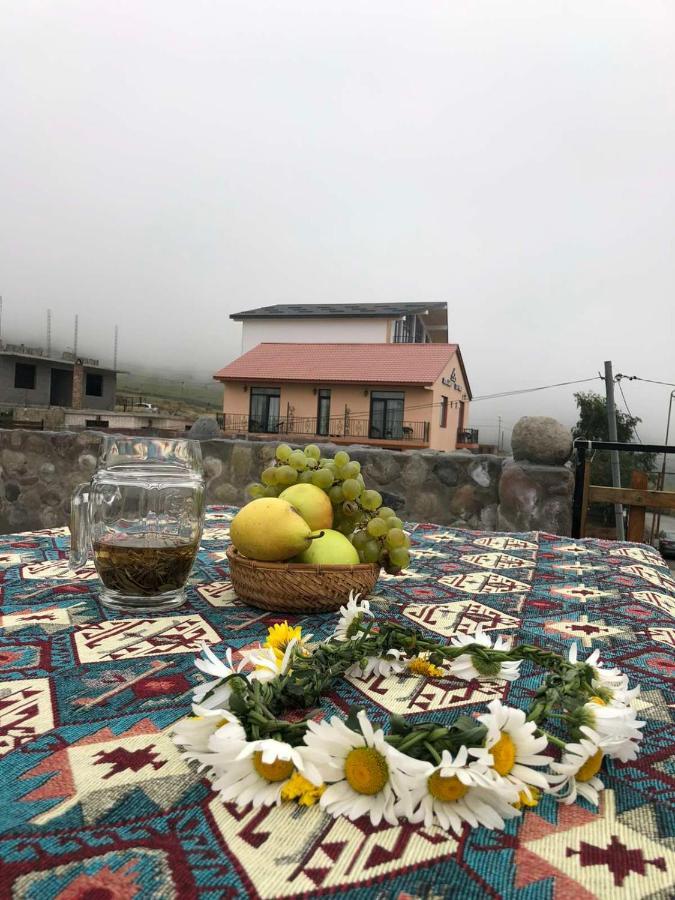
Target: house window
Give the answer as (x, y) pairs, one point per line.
(323, 412)
(24, 376)
(386, 415)
(94, 385)
(263, 416)
(96, 423)
(444, 412)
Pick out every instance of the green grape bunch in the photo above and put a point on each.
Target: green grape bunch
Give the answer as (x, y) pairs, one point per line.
(375, 530)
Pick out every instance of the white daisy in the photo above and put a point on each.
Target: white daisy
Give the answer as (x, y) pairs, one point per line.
(213, 666)
(365, 776)
(465, 667)
(259, 772)
(350, 617)
(389, 664)
(461, 790)
(613, 683)
(198, 734)
(512, 742)
(267, 663)
(576, 773)
(615, 723)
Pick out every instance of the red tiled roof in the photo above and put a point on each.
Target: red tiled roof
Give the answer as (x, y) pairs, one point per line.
(359, 363)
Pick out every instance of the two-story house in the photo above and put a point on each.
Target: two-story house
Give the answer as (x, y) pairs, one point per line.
(388, 377)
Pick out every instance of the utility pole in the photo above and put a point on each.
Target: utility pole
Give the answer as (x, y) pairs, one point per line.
(49, 332)
(115, 341)
(614, 454)
(499, 433)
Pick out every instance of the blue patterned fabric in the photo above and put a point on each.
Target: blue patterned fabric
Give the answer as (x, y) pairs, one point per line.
(97, 802)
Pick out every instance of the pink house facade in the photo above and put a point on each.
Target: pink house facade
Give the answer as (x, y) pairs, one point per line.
(397, 395)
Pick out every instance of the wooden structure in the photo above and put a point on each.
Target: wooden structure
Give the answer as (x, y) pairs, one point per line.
(638, 498)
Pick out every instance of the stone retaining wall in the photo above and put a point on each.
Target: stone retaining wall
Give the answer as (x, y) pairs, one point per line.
(39, 471)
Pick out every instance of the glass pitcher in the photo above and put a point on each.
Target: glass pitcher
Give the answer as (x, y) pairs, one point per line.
(141, 517)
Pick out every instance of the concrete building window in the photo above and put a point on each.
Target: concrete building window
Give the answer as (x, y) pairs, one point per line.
(444, 412)
(94, 385)
(24, 376)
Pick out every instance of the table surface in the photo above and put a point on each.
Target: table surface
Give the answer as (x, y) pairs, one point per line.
(102, 805)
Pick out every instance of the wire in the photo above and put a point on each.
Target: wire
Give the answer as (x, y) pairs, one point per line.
(648, 380)
(625, 403)
(532, 390)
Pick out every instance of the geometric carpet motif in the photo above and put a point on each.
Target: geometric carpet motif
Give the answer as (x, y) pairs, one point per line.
(98, 803)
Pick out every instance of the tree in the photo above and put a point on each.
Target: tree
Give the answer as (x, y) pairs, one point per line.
(593, 426)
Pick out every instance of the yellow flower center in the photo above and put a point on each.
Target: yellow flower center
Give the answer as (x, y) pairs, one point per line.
(298, 788)
(366, 770)
(598, 700)
(446, 789)
(280, 635)
(590, 768)
(419, 666)
(279, 770)
(504, 754)
(528, 798)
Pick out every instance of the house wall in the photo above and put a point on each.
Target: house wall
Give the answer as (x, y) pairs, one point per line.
(107, 399)
(21, 396)
(456, 392)
(418, 403)
(40, 395)
(313, 331)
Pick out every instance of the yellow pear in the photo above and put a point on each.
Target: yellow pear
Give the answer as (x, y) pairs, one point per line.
(312, 503)
(269, 529)
(333, 549)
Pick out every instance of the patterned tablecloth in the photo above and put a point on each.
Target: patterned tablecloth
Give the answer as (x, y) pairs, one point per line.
(97, 803)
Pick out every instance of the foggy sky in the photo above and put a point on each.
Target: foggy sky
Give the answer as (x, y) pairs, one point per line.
(163, 164)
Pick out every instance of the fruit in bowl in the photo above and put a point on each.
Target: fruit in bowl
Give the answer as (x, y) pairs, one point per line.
(330, 496)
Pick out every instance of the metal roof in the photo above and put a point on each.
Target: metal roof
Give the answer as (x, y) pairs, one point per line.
(337, 310)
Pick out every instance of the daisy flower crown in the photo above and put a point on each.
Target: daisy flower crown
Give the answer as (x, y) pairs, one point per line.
(475, 771)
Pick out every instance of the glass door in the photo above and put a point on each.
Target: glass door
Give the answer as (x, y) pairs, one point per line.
(264, 410)
(386, 415)
(323, 412)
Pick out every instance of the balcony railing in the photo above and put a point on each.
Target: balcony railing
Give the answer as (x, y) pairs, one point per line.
(467, 436)
(335, 427)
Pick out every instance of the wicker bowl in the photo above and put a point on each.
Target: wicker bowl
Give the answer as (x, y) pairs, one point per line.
(298, 587)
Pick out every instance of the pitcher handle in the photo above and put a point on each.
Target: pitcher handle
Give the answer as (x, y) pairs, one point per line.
(80, 537)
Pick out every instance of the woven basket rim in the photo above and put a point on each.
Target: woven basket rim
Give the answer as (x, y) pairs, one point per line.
(234, 555)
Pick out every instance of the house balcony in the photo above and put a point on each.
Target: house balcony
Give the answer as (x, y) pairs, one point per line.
(337, 430)
(467, 439)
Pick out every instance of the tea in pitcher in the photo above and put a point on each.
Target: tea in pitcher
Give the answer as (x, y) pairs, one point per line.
(144, 565)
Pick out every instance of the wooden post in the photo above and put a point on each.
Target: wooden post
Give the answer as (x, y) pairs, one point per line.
(636, 514)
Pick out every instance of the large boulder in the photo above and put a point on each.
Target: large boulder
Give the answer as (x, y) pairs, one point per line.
(204, 429)
(542, 440)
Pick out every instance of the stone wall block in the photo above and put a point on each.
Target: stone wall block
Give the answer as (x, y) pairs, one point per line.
(535, 498)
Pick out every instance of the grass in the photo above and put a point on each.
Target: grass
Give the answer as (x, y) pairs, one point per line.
(177, 396)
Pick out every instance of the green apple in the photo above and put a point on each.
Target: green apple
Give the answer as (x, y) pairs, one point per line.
(333, 549)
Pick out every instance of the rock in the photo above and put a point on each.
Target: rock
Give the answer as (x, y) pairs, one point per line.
(535, 498)
(240, 464)
(13, 461)
(447, 472)
(479, 473)
(212, 467)
(541, 439)
(464, 501)
(393, 501)
(47, 471)
(12, 491)
(204, 429)
(227, 493)
(415, 473)
(382, 468)
(87, 463)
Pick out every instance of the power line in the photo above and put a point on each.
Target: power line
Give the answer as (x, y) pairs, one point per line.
(544, 387)
(648, 380)
(625, 403)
